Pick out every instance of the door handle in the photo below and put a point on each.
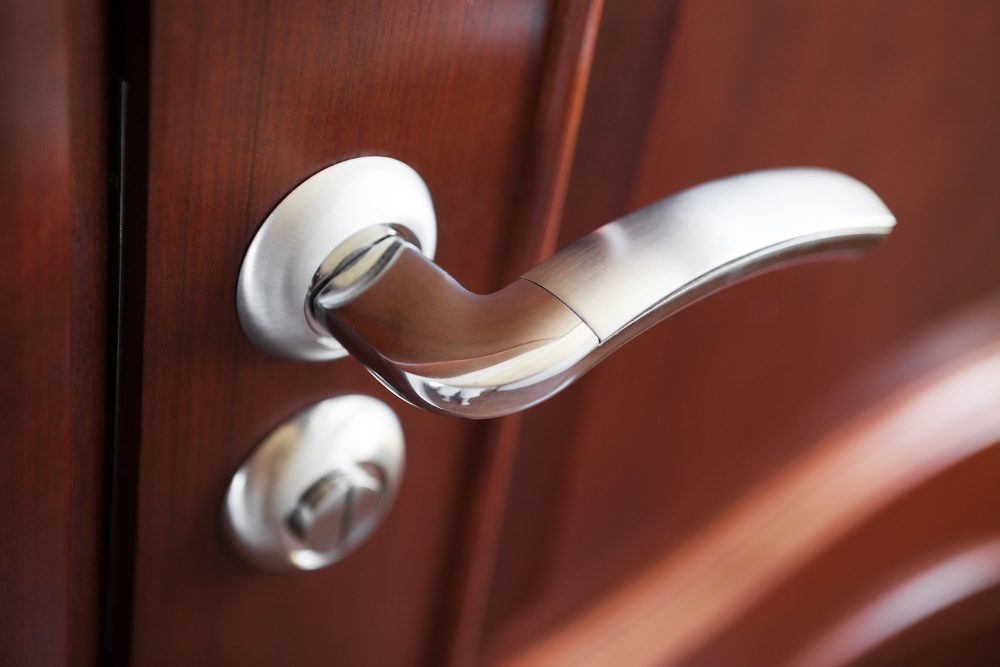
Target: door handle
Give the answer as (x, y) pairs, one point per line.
(440, 347)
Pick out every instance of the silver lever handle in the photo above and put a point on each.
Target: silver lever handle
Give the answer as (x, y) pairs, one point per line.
(450, 351)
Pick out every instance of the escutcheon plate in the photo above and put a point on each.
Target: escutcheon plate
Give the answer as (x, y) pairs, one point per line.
(333, 435)
(304, 228)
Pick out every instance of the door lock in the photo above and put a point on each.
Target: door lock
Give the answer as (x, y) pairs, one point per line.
(317, 486)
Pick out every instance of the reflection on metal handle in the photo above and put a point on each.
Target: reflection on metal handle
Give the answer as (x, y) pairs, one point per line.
(450, 351)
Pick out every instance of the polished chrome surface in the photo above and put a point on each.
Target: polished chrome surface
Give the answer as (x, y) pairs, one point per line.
(450, 351)
(446, 349)
(317, 486)
(312, 219)
(334, 506)
(674, 251)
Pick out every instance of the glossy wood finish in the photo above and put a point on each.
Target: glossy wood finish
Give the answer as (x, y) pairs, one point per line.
(642, 454)
(52, 183)
(556, 126)
(964, 628)
(890, 505)
(245, 102)
(554, 134)
(506, 532)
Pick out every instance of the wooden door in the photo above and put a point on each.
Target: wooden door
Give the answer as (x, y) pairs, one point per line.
(752, 482)
(628, 471)
(52, 331)
(241, 103)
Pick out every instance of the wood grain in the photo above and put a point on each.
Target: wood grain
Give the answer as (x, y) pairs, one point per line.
(624, 466)
(534, 228)
(631, 47)
(554, 135)
(881, 502)
(53, 184)
(247, 100)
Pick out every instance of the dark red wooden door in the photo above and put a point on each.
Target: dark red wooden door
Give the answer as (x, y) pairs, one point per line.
(244, 102)
(622, 471)
(755, 481)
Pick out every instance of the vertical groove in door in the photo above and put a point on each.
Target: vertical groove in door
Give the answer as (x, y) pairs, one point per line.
(534, 229)
(128, 61)
(615, 116)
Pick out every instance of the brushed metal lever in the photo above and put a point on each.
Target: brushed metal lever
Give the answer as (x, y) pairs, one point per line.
(445, 349)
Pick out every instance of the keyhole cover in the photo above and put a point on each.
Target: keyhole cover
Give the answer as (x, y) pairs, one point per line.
(317, 486)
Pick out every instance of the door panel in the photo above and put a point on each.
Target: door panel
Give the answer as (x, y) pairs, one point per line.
(506, 533)
(52, 354)
(620, 469)
(246, 101)
(877, 529)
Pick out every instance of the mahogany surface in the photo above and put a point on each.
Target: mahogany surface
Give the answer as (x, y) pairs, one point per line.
(245, 101)
(881, 527)
(533, 122)
(52, 347)
(524, 539)
(621, 468)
